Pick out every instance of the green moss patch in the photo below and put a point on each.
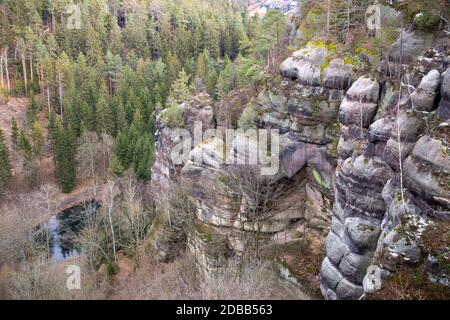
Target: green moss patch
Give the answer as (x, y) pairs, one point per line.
(203, 231)
(172, 116)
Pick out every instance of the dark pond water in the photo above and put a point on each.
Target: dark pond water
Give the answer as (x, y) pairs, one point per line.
(65, 227)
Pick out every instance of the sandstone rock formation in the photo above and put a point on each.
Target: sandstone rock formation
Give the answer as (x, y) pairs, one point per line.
(392, 182)
(359, 161)
(236, 208)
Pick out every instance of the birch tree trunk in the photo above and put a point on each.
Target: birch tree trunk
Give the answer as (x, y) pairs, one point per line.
(24, 67)
(328, 17)
(400, 162)
(1, 70)
(60, 94)
(48, 100)
(31, 68)
(41, 82)
(110, 211)
(7, 70)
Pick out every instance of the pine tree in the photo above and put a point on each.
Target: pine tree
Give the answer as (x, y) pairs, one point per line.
(180, 88)
(112, 68)
(173, 66)
(51, 125)
(64, 150)
(5, 164)
(87, 122)
(104, 117)
(142, 161)
(138, 121)
(201, 69)
(25, 145)
(31, 113)
(125, 146)
(38, 141)
(15, 136)
(115, 167)
(225, 81)
(121, 119)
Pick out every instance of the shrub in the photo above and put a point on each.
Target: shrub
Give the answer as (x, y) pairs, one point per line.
(172, 116)
(248, 119)
(410, 284)
(426, 21)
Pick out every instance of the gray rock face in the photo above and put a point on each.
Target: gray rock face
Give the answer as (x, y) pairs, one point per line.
(303, 112)
(368, 204)
(423, 98)
(437, 272)
(336, 248)
(309, 67)
(363, 233)
(392, 150)
(405, 248)
(330, 274)
(315, 115)
(381, 130)
(306, 112)
(364, 90)
(360, 206)
(412, 45)
(427, 170)
(354, 266)
(304, 65)
(346, 290)
(355, 115)
(444, 104)
(338, 75)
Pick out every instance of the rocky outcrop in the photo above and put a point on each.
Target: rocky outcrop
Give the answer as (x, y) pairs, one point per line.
(234, 203)
(316, 66)
(444, 104)
(358, 161)
(389, 182)
(412, 44)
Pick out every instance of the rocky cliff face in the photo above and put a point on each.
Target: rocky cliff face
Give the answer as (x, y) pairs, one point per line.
(237, 209)
(392, 185)
(363, 174)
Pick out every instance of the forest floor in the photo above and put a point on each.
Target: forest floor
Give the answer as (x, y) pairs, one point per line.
(14, 107)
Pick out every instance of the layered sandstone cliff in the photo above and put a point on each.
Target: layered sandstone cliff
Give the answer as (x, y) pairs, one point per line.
(363, 173)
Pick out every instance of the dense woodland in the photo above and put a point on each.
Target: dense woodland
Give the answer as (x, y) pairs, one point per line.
(125, 63)
(92, 90)
(131, 59)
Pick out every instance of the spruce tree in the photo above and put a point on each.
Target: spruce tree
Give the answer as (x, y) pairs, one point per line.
(121, 118)
(104, 117)
(38, 141)
(201, 69)
(5, 163)
(31, 113)
(64, 151)
(115, 167)
(180, 88)
(138, 121)
(87, 122)
(15, 136)
(25, 145)
(143, 159)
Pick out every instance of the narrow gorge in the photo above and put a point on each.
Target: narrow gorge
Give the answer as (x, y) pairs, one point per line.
(363, 179)
(225, 150)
